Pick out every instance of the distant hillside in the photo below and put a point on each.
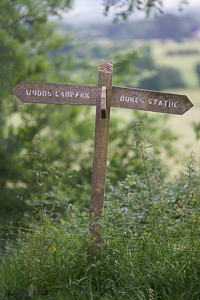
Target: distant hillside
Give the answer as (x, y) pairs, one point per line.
(167, 26)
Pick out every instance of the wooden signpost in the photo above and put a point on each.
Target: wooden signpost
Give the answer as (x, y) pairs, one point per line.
(103, 97)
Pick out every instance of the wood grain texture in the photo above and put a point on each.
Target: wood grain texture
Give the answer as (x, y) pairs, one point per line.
(103, 102)
(100, 148)
(56, 93)
(86, 94)
(150, 100)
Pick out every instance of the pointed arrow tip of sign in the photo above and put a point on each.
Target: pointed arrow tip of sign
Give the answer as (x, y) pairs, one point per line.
(187, 105)
(15, 88)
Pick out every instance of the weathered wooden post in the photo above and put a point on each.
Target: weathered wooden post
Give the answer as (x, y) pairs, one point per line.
(103, 103)
(103, 96)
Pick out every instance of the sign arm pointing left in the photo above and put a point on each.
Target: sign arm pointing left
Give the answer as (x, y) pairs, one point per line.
(56, 93)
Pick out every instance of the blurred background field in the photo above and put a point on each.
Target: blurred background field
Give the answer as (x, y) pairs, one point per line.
(183, 55)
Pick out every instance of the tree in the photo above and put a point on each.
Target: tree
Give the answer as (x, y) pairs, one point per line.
(26, 39)
(197, 69)
(169, 26)
(125, 8)
(160, 78)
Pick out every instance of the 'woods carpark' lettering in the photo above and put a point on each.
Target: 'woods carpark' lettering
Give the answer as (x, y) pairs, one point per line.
(150, 101)
(66, 94)
(38, 93)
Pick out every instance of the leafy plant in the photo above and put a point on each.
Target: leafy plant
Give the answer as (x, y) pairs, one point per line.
(197, 69)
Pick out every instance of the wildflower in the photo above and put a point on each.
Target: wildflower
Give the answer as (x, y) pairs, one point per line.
(151, 294)
(166, 260)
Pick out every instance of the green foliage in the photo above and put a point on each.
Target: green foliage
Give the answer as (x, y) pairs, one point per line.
(126, 8)
(196, 127)
(25, 38)
(197, 69)
(149, 249)
(152, 77)
(123, 155)
(123, 65)
(27, 42)
(163, 78)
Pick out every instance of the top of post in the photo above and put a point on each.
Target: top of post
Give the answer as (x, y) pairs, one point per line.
(105, 67)
(105, 74)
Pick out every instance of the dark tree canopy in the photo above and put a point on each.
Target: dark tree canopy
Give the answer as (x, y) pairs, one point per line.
(25, 34)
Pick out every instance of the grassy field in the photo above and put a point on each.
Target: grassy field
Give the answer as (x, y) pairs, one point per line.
(185, 63)
(182, 125)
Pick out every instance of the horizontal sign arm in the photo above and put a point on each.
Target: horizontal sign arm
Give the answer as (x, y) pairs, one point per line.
(56, 93)
(150, 100)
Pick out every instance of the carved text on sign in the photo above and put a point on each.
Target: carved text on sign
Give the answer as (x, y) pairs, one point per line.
(131, 99)
(72, 94)
(150, 101)
(164, 103)
(86, 94)
(38, 93)
(66, 94)
(56, 93)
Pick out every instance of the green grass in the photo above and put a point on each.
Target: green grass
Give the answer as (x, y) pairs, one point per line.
(185, 63)
(182, 125)
(149, 249)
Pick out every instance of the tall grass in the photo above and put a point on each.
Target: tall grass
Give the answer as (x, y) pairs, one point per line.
(150, 246)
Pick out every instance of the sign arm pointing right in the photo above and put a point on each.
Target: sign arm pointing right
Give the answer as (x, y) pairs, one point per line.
(150, 100)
